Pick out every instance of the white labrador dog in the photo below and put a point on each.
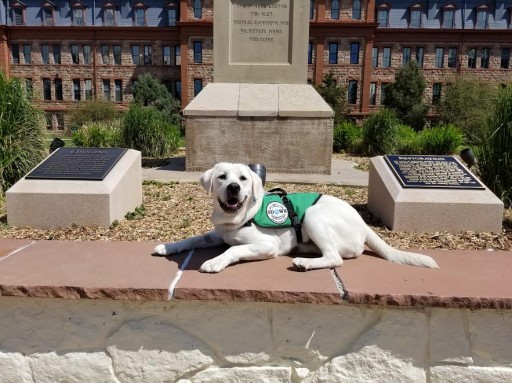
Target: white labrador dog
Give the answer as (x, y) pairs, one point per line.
(331, 228)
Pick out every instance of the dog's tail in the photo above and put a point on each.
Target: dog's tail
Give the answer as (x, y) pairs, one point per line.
(385, 251)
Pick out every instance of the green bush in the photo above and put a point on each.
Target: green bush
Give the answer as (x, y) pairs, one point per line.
(22, 125)
(441, 140)
(92, 111)
(380, 132)
(407, 140)
(494, 154)
(146, 130)
(345, 137)
(98, 134)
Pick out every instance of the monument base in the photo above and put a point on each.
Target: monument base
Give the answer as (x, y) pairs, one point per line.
(47, 203)
(430, 210)
(286, 127)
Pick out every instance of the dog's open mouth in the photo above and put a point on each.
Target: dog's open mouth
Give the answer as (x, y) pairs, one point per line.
(232, 205)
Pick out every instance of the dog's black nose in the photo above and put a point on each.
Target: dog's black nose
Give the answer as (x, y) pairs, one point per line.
(233, 188)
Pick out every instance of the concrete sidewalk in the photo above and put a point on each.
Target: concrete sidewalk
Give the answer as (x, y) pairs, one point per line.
(342, 173)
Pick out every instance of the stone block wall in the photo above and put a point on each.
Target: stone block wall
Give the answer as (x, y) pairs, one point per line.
(52, 340)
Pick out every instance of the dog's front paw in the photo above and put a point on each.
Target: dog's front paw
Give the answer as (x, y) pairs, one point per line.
(301, 264)
(167, 249)
(214, 265)
(160, 250)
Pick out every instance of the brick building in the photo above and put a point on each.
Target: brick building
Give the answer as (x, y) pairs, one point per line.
(71, 50)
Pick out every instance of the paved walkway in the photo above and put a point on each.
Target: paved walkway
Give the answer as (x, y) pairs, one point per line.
(342, 173)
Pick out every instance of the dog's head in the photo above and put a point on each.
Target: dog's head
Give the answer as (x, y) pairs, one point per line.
(234, 188)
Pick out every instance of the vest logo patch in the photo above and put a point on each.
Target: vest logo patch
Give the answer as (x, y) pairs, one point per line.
(277, 212)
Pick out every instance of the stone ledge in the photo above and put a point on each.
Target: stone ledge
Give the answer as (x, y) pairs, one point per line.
(127, 271)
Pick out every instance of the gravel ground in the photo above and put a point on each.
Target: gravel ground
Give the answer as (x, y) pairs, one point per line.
(176, 211)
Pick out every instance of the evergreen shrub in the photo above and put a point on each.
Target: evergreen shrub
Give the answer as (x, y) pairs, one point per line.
(345, 137)
(441, 140)
(380, 132)
(98, 134)
(146, 130)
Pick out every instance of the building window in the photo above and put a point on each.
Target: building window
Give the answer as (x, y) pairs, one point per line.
(484, 58)
(78, 14)
(352, 92)
(436, 93)
(88, 89)
(505, 58)
(105, 54)
(109, 15)
(354, 53)
(116, 49)
(135, 55)
(386, 57)
(420, 54)
(75, 54)
(373, 93)
(29, 88)
(383, 16)
(310, 53)
(76, 90)
(148, 57)
(118, 88)
(415, 16)
(173, 12)
(198, 52)
(198, 9)
(448, 16)
(47, 14)
(59, 118)
(452, 58)
(45, 53)
(383, 92)
(87, 54)
(472, 58)
(375, 57)
(27, 53)
(439, 61)
(166, 55)
(177, 55)
(311, 9)
(47, 89)
(15, 53)
(356, 10)
(335, 9)
(58, 89)
(56, 54)
(48, 118)
(18, 13)
(333, 53)
(198, 86)
(177, 95)
(482, 14)
(406, 55)
(106, 89)
(139, 12)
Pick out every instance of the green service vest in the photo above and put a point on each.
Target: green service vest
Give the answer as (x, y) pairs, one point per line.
(273, 213)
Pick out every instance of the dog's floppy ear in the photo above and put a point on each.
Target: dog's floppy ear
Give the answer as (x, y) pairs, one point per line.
(256, 184)
(207, 179)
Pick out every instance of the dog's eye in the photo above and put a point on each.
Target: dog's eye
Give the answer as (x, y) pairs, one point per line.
(222, 177)
(243, 178)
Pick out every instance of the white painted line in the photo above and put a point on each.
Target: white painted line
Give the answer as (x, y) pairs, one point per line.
(178, 274)
(16, 251)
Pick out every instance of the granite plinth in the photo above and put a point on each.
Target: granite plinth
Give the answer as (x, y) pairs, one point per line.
(47, 203)
(430, 210)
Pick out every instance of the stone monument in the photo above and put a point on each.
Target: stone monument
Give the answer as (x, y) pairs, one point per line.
(260, 109)
(429, 194)
(83, 186)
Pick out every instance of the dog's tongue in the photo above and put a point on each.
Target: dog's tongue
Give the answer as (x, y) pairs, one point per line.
(232, 202)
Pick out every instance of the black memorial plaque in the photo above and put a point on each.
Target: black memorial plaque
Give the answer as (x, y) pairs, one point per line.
(441, 172)
(91, 164)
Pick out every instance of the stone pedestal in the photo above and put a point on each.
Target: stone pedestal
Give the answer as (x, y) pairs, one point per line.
(47, 203)
(286, 127)
(430, 210)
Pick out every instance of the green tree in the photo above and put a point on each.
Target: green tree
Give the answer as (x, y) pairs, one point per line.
(22, 126)
(405, 96)
(150, 92)
(468, 103)
(335, 95)
(93, 111)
